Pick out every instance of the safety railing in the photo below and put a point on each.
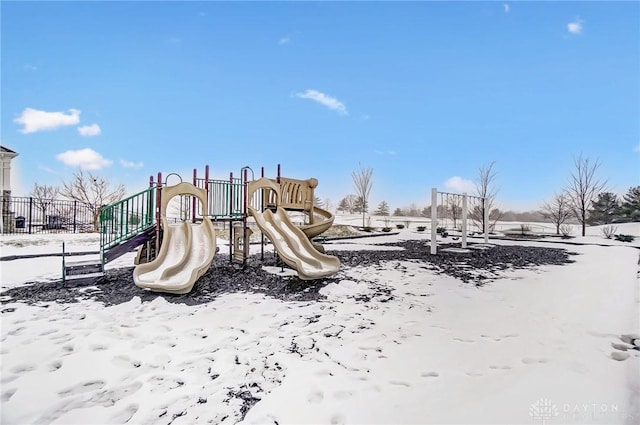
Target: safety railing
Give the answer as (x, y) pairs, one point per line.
(126, 218)
(225, 198)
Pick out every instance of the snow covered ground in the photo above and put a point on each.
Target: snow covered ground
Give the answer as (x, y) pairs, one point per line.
(550, 344)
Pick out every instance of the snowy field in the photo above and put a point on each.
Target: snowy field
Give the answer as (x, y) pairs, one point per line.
(396, 342)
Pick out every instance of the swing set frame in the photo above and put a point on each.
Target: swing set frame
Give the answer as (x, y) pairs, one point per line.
(464, 220)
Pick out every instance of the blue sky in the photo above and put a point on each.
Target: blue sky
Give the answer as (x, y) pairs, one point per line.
(423, 92)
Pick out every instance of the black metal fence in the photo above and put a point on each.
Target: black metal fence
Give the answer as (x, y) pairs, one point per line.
(36, 215)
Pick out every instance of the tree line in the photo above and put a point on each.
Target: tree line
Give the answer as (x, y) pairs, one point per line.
(584, 200)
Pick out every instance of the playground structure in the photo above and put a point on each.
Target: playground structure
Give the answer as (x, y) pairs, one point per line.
(170, 257)
(457, 205)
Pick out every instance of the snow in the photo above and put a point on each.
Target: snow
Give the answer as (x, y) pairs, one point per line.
(438, 351)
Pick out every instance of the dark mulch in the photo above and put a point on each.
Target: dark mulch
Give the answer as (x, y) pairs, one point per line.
(476, 267)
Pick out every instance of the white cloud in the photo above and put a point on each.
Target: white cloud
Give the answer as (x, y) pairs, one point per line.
(575, 27)
(90, 130)
(328, 101)
(28, 67)
(459, 185)
(506, 8)
(86, 159)
(284, 40)
(131, 164)
(636, 148)
(35, 120)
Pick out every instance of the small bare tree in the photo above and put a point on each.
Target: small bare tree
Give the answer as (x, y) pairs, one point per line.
(557, 210)
(485, 189)
(328, 204)
(454, 208)
(93, 191)
(583, 188)
(362, 182)
(43, 196)
(347, 203)
(566, 230)
(609, 231)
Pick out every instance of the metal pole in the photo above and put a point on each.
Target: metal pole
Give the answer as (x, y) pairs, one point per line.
(434, 220)
(278, 179)
(231, 235)
(149, 216)
(75, 212)
(486, 220)
(193, 201)
(464, 220)
(158, 211)
(206, 189)
(245, 245)
(261, 210)
(30, 212)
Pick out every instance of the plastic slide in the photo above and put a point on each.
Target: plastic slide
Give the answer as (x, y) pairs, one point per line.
(185, 255)
(186, 252)
(320, 226)
(293, 246)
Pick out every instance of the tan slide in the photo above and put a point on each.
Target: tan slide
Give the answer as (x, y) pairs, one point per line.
(293, 246)
(186, 252)
(320, 226)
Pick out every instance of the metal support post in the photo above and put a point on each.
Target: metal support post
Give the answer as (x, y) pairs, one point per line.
(464, 220)
(434, 220)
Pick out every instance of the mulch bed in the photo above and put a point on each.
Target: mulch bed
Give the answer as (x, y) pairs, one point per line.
(476, 267)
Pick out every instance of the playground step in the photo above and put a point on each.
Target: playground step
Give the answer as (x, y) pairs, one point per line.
(82, 277)
(83, 268)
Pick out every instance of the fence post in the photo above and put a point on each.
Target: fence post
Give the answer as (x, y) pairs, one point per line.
(464, 220)
(434, 220)
(30, 212)
(75, 212)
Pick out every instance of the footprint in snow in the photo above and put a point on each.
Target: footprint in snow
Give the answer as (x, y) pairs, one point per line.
(400, 383)
(534, 360)
(316, 397)
(125, 361)
(503, 367)
(463, 340)
(81, 388)
(620, 355)
(55, 365)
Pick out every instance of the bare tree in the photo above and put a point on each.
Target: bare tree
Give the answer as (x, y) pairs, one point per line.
(362, 181)
(557, 210)
(327, 204)
(43, 196)
(485, 189)
(347, 203)
(583, 188)
(93, 191)
(455, 208)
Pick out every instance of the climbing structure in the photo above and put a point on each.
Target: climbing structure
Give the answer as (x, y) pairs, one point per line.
(141, 221)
